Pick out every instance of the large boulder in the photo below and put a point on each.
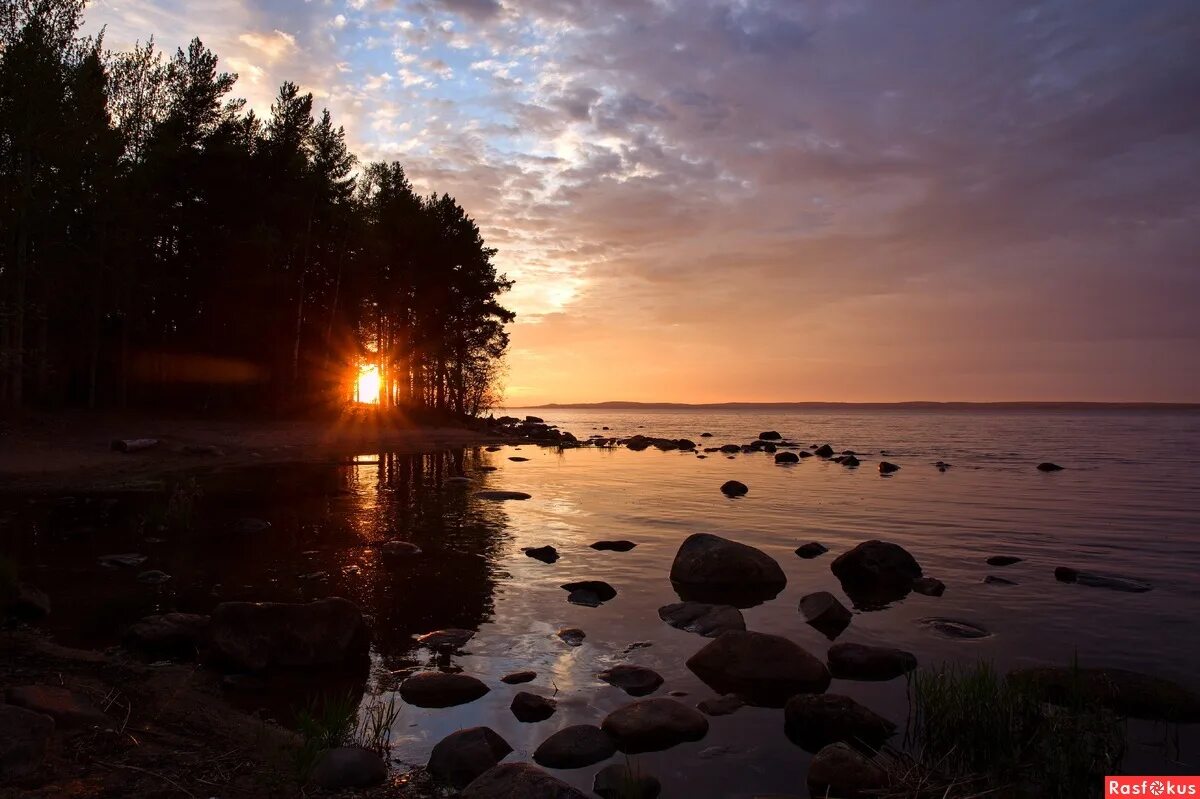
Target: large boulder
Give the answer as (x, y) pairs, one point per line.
(875, 573)
(349, 767)
(813, 721)
(181, 634)
(633, 680)
(702, 618)
(440, 689)
(709, 568)
(519, 781)
(862, 662)
(253, 636)
(763, 669)
(575, 747)
(1128, 693)
(651, 725)
(842, 771)
(462, 756)
(24, 740)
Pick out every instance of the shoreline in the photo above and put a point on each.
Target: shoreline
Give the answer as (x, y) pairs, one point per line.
(73, 451)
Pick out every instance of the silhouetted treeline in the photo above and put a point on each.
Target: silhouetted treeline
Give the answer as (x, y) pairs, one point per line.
(164, 245)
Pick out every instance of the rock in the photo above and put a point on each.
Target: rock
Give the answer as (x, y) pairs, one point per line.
(518, 677)
(731, 449)
(813, 721)
(1002, 560)
(1115, 582)
(619, 781)
(68, 710)
(493, 449)
(850, 461)
(733, 488)
(519, 781)
(349, 767)
(842, 771)
(702, 618)
(462, 756)
(862, 662)
(651, 725)
(1049, 467)
(518, 459)
(445, 640)
(805, 454)
(168, 634)
(252, 636)
(787, 457)
(128, 560)
(27, 603)
(721, 705)
(24, 741)
(459, 479)
(685, 444)
(546, 554)
(708, 566)
(399, 549)
(591, 593)
(770, 435)
(575, 747)
(250, 526)
(811, 550)
(888, 468)
(633, 680)
(763, 669)
(876, 572)
(154, 577)
(614, 546)
(500, 496)
(929, 586)
(1128, 693)
(572, 636)
(530, 708)
(133, 444)
(954, 628)
(439, 689)
(823, 451)
(994, 580)
(706, 435)
(825, 613)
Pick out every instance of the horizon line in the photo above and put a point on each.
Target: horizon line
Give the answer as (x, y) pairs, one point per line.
(911, 404)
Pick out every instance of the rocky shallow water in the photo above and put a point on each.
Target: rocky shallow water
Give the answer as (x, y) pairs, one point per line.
(1123, 506)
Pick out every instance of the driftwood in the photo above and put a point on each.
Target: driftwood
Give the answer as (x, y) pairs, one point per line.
(134, 444)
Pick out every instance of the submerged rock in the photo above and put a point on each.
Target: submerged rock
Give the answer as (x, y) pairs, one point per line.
(702, 618)
(530, 708)
(619, 781)
(1115, 582)
(546, 554)
(1128, 693)
(575, 747)
(614, 546)
(825, 613)
(991, 579)
(953, 628)
(349, 767)
(888, 468)
(823, 451)
(842, 771)
(500, 496)
(862, 662)
(633, 680)
(1002, 560)
(24, 741)
(850, 461)
(721, 705)
(1049, 467)
(732, 488)
(763, 669)
(813, 721)
(651, 725)
(811, 550)
(127, 560)
(462, 756)
(929, 586)
(591, 593)
(572, 636)
(435, 689)
(252, 636)
(399, 549)
(876, 572)
(518, 459)
(154, 577)
(518, 677)
(512, 780)
(710, 565)
(445, 640)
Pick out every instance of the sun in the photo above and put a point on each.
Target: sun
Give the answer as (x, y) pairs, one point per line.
(366, 387)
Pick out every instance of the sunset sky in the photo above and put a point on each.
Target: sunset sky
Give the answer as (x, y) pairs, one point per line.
(773, 200)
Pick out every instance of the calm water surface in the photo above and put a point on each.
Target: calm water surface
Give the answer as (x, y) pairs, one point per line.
(1127, 503)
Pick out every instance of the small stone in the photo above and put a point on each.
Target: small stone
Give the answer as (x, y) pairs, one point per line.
(1002, 560)
(888, 468)
(991, 579)
(786, 457)
(614, 546)
(1049, 467)
(349, 767)
(633, 680)
(929, 586)
(572, 636)
(721, 706)
(518, 677)
(702, 618)
(589, 592)
(954, 628)
(546, 554)
(437, 689)
(500, 496)
(575, 747)
(530, 708)
(811, 550)
(733, 488)
(823, 451)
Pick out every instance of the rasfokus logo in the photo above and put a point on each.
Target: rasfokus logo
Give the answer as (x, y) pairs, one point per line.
(1151, 786)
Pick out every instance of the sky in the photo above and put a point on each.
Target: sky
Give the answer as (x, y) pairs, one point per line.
(781, 200)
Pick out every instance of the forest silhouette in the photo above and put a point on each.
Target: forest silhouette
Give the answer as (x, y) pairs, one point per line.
(164, 246)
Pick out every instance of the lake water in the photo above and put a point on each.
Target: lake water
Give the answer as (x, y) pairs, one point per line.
(1128, 502)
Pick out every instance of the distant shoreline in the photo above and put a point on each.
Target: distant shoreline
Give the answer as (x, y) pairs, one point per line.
(915, 405)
